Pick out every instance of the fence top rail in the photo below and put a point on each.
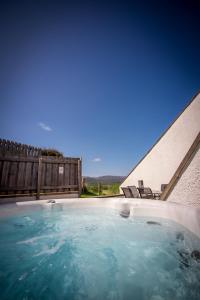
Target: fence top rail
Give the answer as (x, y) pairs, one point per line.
(19, 158)
(63, 160)
(44, 159)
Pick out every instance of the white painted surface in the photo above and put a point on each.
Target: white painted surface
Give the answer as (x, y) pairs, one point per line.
(189, 218)
(162, 161)
(187, 189)
(32, 198)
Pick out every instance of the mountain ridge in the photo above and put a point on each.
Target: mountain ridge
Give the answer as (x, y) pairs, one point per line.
(106, 179)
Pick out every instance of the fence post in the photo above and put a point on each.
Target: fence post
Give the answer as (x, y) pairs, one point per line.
(79, 176)
(39, 177)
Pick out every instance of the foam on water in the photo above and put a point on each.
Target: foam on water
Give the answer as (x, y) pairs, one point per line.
(66, 252)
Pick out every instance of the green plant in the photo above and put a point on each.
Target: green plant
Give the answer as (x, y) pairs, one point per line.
(51, 152)
(97, 189)
(115, 188)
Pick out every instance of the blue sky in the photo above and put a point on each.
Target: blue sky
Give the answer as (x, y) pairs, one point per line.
(96, 79)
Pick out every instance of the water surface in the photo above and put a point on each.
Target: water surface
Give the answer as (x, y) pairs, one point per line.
(69, 252)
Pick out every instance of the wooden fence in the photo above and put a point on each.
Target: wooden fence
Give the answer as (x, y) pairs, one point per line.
(8, 148)
(31, 175)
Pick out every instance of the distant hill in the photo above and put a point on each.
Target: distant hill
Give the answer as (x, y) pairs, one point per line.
(109, 179)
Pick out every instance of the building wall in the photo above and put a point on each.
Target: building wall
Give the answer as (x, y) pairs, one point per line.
(160, 164)
(187, 189)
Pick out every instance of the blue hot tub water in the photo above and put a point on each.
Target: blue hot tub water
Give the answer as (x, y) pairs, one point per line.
(67, 252)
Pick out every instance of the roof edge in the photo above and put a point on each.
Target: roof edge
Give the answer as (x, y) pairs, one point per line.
(165, 131)
(181, 168)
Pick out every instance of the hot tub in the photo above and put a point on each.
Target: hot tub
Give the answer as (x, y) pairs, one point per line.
(99, 249)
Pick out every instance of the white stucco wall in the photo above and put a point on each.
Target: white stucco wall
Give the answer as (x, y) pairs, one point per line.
(160, 164)
(187, 189)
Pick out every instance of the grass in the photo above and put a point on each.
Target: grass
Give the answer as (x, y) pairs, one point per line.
(93, 190)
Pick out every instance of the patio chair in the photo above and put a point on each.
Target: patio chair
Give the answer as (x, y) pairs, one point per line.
(146, 193)
(134, 191)
(127, 192)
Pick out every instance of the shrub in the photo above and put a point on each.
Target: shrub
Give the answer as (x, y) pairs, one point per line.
(51, 152)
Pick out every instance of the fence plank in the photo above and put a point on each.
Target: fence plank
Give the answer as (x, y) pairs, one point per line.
(12, 174)
(71, 179)
(1, 170)
(34, 175)
(21, 174)
(67, 174)
(79, 171)
(39, 178)
(54, 176)
(28, 175)
(48, 175)
(4, 178)
(60, 175)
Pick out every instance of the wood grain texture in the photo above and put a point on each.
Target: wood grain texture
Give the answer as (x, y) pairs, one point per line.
(23, 175)
(39, 178)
